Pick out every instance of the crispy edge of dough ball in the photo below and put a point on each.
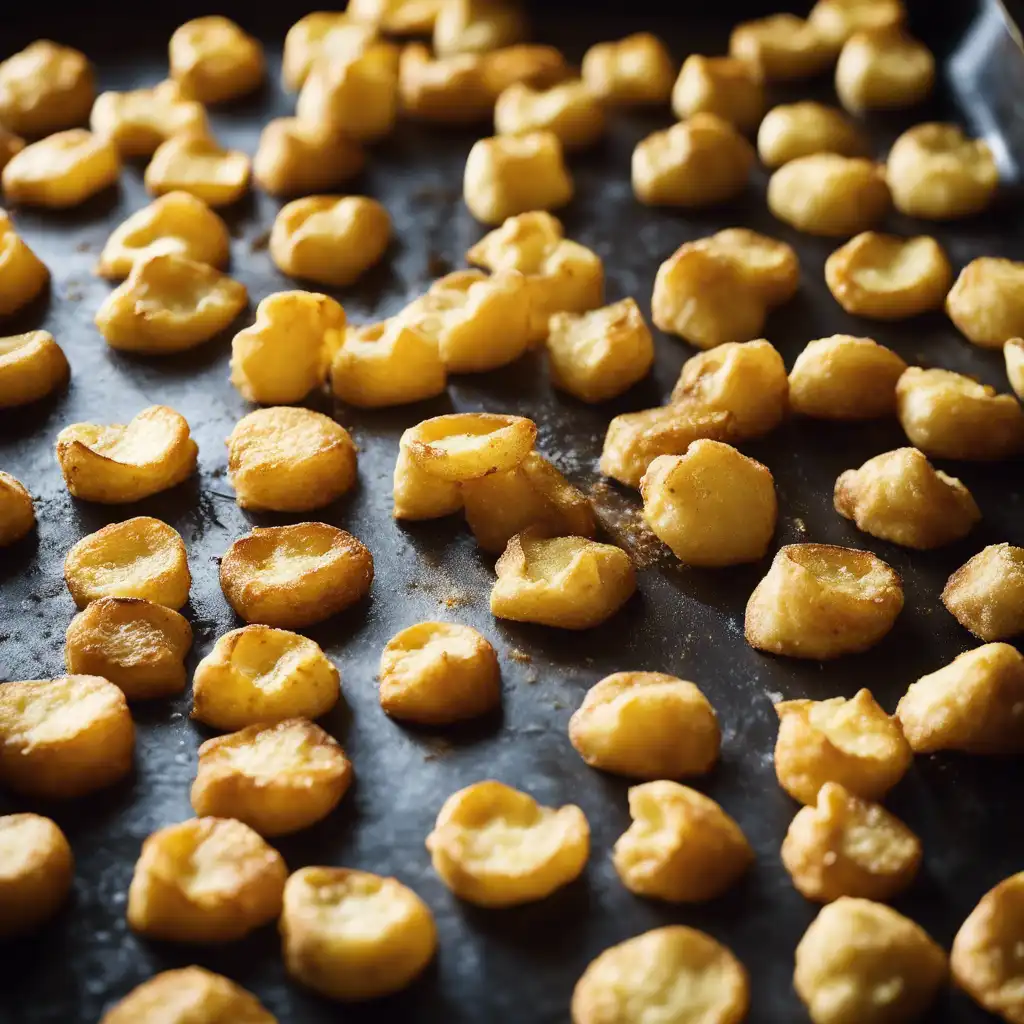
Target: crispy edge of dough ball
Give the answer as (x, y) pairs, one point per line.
(845, 378)
(829, 195)
(883, 69)
(681, 848)
(205, 880)
(213, 60)
(793, 130)
(852, 742)
(23, 275)
(986, 303)
(352, 935)
(192, 989)
(17, 513)
(62, 170)
(986, 594)
(985, 959)
(565, 582)
(783, 46)
(974, 704)
(673, 969)
(417, 494)
(900, 497)
(569, 110)
(495, 846)
(36, 872)
(646, 725)
(951, 416)
(289, 459)
(32, 366)
(462, 446)
(141, 557)
(1013, 353)
(860, 960)
(847, 846)
(822, 601)
(196, 163)
(121, 463)
(295, 576)
(258, 675)
(45, 88)
(64, 737)
(295, 158)
(747, 380)
(729, 88)
(138, 645)
(889, 278)
(713, 506)
(438, 673)
(276, 778)
(770, 266)
(635, 70)
(837, 20)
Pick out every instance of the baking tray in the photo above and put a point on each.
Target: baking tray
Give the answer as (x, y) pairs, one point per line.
(514, 966)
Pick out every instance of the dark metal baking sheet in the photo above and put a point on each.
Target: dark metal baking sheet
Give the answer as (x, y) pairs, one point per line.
(516, 966)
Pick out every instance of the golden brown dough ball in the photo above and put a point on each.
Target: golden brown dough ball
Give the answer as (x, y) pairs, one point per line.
(443, 90)
(139, 121)
(477, 26)
(22, 274)
(298, 158)
(821, 601)
(568, 110)
(837, 20)
(62, 170)
(681, 848)
(771, 267)
(883, 69)
(196, 163)
(459, 447)
(646, 725)
(900, 497)
(36, 872)
(17, 514)
(396, 17)
(794, 130)
(531, 63)
(729, 88)
(32, 366)
(45, 88)
(783, 46)
(1013, 353)
(635, 70)
(328, 34)
(213, 60)
(974, 704)
(987, 301)
(986, 594)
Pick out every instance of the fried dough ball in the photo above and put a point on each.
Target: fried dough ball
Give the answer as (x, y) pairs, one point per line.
(125, 462)
(9, 145)
(822, 601)
(676, 973)
(794, 130)
(355, 93)
(45, 88)
(986, 594)
(1013, 353)
(138, 645)
(845, 378)
(568, 110)
(861, 961)
(889, 278)
(290, 459)
(176, 223)
(828, 194)
(62, 170)
(950, 416)
(936, 172)
(682, 847)
(65, 737)
(438, 673)
(847, 846)
(646, 725)
(353, 935)
(771, 267)
(974, 704)
(167, 304)
(140, 120)
(418, 494)
(189, 995)
(275, 778)
(987, 301)
(397, 17)
(599, 354)
(746, 380)
(529, 63)
(567, 582)
(631, 71)
(477, 26)
(295, 576)
(205, 880)
(495, 846)
(561, 275)
(510, 174)
(328, 34)
(883, 69)
(782, 46)
(695, 163)
(23, 275)
(141, 558)
(850, 742)
(445, 90)
(900, 497)
(36, 872)
(198, 164)
(986, 955)
(837, 20)
(469, 445)
(213, 60)
(17, 514)
(724, 86)
(331, 240)
(712, 505)
(702, 296)
(288, 351)
(257, 675)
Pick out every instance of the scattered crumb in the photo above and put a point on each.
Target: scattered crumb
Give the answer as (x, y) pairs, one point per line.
(531, 677)
(438, 747)
(624, 523)
(259, 242)
(437, 265)
(558, 705)
(84, 247)
(521, 656)
(73, 295)
(799, 525)
(774, 696)
(455, 599)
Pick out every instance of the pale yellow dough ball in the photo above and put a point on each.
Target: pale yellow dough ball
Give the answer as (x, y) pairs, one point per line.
(986, 594)
(36, 872)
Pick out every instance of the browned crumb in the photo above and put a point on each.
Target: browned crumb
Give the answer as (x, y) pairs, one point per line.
(624, 523)
(260, 242)
(521, 656)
